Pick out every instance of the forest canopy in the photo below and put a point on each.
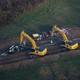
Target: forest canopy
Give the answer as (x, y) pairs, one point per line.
(9, 9)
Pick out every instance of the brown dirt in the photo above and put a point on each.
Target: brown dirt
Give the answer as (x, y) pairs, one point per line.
(73, 32)
(30, 61)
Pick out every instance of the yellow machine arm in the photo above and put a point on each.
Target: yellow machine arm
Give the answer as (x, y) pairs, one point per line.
(23, 34)
(66, 43)
(37, 50)
(55, 28)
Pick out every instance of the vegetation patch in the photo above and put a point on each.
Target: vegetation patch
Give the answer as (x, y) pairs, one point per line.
(62, 13)
(64, 67)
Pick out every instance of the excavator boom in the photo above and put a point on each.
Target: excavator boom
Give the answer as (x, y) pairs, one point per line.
(23, 34)
(55, 28)
(67, 43)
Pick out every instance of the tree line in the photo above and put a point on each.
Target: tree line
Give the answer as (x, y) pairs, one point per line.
(9, 9)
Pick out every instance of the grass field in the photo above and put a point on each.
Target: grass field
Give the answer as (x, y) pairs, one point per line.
(62, 13)
(64, 67)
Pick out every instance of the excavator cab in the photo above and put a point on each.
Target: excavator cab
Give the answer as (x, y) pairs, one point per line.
(39, 51)
(70, 45)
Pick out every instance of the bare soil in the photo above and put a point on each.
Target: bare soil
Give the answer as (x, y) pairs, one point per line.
(73, 32)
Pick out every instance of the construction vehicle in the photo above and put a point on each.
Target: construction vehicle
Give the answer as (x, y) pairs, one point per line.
(65, 43)
(11, 49)
(16, 48)
(38, 37)
(35, 36)
(34, 50)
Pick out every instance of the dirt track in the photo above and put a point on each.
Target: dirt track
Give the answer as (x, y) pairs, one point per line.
(74, 33)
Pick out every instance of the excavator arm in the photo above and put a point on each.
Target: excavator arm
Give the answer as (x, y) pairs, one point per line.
(67, 43)
(23, 34)
(37, 50)
(55, 28)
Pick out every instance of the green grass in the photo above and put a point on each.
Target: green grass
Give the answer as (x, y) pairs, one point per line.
(66, 66)
(62, 13)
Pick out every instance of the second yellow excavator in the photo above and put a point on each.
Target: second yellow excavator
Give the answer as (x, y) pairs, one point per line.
(34, 50)
(66, 43)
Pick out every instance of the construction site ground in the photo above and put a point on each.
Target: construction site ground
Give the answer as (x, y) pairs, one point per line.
(22, 58)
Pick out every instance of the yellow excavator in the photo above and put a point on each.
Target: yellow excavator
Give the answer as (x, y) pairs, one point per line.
(66, 43)
(35, 50)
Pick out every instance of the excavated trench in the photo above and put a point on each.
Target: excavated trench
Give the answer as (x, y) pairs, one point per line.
(22, 56)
